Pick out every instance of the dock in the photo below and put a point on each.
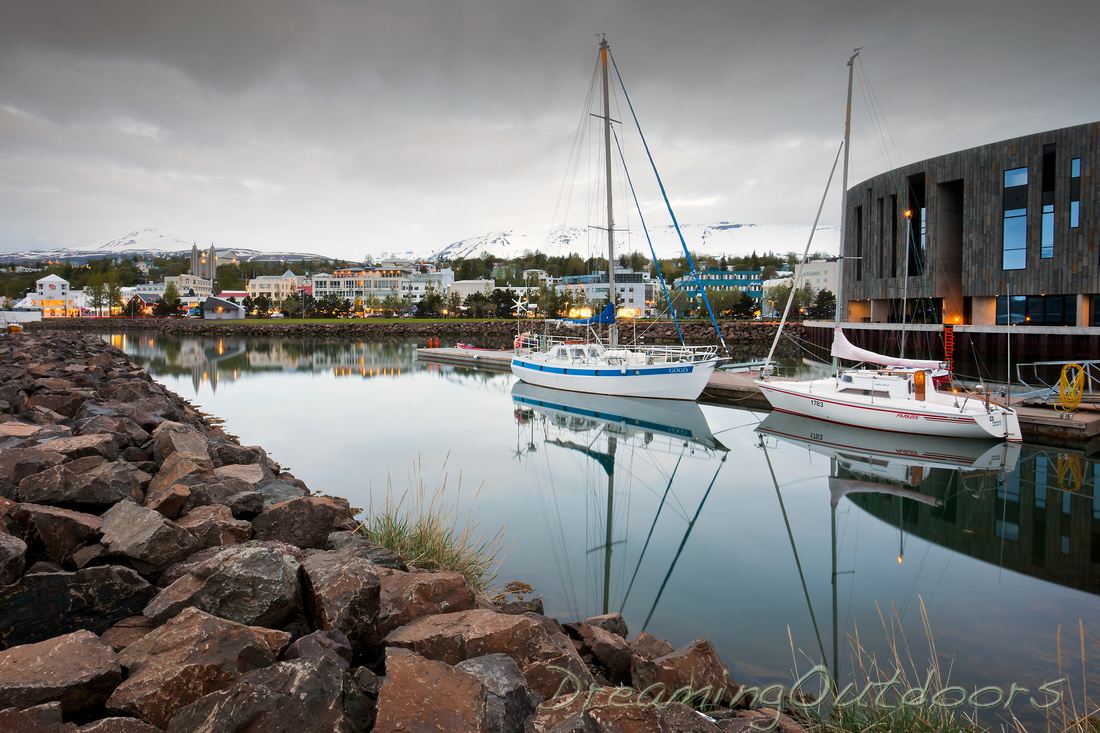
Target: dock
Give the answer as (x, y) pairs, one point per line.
(1040, 423)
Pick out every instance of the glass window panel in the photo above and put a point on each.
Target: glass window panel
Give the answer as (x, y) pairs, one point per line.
(1075, 214)
(1054, 310)
(1075, 167)
(1016, 177)
(1015, 241)
(1047, 249)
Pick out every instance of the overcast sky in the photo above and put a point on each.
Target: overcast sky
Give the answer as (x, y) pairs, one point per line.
(350, 128)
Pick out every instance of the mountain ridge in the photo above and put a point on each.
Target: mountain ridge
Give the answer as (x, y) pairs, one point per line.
(717, 240)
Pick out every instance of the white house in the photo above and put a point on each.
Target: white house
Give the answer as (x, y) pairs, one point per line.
(216, 309)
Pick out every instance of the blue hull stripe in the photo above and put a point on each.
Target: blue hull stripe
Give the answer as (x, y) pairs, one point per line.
(609, 371)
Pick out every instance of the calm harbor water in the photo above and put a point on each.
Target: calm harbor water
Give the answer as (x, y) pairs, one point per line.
(696, 520)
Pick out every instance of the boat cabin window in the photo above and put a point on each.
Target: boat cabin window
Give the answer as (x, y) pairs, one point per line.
(865, 392)
(578, 353)
(593, 352)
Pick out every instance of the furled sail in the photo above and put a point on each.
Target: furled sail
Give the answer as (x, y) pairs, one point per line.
(844, 349)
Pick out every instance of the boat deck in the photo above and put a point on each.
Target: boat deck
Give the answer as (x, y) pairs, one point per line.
(1040, 422)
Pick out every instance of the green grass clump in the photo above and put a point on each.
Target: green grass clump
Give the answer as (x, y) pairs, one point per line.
(423, 527)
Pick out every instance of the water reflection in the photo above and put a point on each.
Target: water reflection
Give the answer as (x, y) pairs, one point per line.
(610, 431)
(692, 522)
(213, 360)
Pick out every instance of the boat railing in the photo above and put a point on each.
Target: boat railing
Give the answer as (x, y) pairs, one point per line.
(528, 343)
(1041, 378)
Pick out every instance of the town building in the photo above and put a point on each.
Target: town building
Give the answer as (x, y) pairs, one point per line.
(54, 298)
(217, 309)
(275, 287)
(204, 263)
(819, 274)
(748, 282)
(635, 290)
(1007, 232)
(362, 285)
(419, 283)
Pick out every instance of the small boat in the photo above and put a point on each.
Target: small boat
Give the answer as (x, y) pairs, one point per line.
(901, 396)
(599, 364)
(12, 326)
(891, 456)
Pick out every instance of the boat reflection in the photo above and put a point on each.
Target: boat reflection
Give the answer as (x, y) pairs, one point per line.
(615, 433)
(1029, 510)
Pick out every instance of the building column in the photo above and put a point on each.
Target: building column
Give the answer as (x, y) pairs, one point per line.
(1084, 309)
(983, 310)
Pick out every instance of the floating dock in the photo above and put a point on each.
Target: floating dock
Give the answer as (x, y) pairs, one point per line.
(1040, 423)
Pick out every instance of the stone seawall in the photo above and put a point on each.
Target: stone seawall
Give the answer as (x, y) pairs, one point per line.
(157, 575)
(657, 332)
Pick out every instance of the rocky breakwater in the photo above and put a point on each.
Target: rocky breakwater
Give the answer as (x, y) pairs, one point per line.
(157, 575)
(480, 332)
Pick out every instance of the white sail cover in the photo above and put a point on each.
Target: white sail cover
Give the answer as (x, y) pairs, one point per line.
(844, 349)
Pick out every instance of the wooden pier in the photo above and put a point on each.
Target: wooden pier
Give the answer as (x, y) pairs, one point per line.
(1040, 423)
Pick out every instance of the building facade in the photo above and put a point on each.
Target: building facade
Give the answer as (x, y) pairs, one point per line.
(358, 286)
(751, 283)
(635, 291)
(204, 263)
(1004, 233)
(55, 299)
(275, 287)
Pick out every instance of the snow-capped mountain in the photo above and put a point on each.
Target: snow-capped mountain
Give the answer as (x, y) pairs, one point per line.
(147, 243)
(721, 239)
(145, 240)
(724, 238)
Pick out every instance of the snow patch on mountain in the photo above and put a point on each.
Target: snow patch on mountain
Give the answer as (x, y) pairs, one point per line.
(717, 240)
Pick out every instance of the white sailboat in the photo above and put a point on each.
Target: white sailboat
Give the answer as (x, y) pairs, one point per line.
(901, 395)
(598, 365)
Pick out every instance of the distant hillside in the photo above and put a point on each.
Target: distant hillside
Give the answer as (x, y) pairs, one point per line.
(721, 239)
(731, 240)
(146, 244)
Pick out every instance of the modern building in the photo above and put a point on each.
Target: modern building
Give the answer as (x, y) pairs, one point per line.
(1004, 233)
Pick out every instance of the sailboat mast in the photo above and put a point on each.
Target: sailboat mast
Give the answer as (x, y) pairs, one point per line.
(613, 335)
(844, 193)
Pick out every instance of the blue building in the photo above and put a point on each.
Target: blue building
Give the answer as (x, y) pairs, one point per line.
(748, 282)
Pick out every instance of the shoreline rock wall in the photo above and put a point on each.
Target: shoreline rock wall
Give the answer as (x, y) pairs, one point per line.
(657, 332)
(157, 575)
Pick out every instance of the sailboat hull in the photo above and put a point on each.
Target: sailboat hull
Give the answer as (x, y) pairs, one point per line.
(673, 381)
(820, 399)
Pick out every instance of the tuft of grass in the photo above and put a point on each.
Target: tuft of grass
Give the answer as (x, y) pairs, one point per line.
(1075, 713)
(424, 527)
(886, 713)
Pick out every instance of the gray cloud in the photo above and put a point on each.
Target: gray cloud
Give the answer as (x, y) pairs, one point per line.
(351, 127)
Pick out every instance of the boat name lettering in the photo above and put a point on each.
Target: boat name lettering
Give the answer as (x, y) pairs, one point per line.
(817, 403)
(817, 436)
(907, 416)
(679, 370)
(906, 452)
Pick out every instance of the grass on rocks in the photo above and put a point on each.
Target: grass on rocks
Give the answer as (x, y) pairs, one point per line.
(904, 710)
(431, 532)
